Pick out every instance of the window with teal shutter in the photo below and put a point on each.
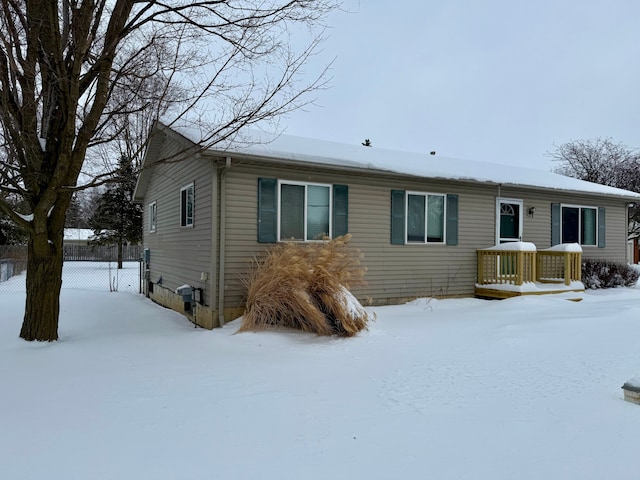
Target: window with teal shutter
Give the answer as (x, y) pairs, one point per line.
(428, 218)
(578, 224)
(452, 219)
(555, 224)
(267, 210)
(298, 211)
(601, 228)
(397, 217)
(340, 210)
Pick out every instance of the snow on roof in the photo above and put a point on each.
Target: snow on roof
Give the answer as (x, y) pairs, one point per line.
(322, 152)
(78, 233)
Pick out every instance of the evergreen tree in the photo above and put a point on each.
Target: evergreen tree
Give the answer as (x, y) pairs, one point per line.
(10, 233)
(76, 213)
(117, 220)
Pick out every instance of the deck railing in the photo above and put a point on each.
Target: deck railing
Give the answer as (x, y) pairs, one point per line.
(506, 266)
(559, 266)
(515, 267)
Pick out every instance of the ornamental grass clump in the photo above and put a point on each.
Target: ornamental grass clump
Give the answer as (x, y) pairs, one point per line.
(307, 287)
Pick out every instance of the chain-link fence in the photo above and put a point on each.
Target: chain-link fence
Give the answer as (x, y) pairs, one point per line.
(98, 269)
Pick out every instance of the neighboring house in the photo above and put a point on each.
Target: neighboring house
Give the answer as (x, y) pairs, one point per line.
(633, 249)
(77, 236)
(419, 219)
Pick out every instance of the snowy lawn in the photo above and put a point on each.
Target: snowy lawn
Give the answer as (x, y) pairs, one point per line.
(525, 388)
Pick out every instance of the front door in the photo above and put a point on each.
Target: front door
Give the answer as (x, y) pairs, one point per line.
(508, 220)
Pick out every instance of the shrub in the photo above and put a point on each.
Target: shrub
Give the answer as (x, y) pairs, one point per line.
(306, 287)
(606, 274)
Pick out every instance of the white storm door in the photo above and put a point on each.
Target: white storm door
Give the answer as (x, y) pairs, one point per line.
(508, 220)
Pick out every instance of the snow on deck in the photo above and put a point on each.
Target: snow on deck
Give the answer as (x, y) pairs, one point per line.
(514, 247)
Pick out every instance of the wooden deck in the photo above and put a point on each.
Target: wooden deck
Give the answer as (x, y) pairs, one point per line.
(498, 293)
(511, 270)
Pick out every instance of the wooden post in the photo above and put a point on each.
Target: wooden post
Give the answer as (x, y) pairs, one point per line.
(520, 268)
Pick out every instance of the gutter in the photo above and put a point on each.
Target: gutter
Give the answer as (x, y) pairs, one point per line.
(223, 228)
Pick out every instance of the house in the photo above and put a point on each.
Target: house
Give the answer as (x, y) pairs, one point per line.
(421, 221)
(77, 236)
(633, 249)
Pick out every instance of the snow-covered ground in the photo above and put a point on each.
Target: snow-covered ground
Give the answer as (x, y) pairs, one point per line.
(527, 388)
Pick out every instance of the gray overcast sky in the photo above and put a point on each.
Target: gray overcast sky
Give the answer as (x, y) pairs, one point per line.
(491, 80)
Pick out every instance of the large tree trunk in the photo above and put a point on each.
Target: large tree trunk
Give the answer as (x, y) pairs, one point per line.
(44, 281)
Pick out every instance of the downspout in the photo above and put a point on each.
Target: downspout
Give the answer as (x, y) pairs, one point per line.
(213, 268)
(223, 227)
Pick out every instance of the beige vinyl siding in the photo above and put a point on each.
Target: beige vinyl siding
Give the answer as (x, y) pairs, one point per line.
(537, 229)
(180, 254)
(394, 271)
(397, 272)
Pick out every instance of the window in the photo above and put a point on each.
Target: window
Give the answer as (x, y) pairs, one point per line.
(579, 225)
(304, 211)
(425, 218)
(186, 206)
(301, 211)
(153, 216)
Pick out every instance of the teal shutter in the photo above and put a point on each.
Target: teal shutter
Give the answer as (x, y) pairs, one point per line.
(452, 219)
(340, 210)
(267, 210)
(556, 228)
(397, 217)
(601, 228)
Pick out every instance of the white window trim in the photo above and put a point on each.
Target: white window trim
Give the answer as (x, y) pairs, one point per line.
(193, 213)
(426, 217)
(153, 216)
(499, 202)
(591, 207)
(304, 184)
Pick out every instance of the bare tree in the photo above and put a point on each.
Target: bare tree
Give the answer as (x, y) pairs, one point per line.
(77, 76)
(602, 161)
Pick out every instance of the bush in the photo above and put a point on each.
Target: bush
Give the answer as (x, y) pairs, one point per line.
(306, 287)
(606, 274)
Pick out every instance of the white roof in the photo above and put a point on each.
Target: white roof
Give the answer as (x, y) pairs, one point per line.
(78, 233)
(424, 165)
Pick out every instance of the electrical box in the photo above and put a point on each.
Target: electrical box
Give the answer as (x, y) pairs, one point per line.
(186, 292)
(146, 256)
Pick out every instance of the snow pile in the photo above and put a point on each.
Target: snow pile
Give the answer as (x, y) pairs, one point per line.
(526, 388)
(632, 384)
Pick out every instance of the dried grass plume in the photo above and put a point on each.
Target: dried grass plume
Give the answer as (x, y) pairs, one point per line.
(307, 287)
